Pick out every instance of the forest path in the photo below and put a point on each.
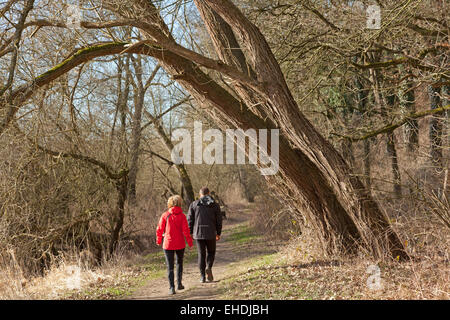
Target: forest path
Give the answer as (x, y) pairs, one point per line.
(229, 249)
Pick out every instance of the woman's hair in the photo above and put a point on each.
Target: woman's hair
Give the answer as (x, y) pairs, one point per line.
(174, 201)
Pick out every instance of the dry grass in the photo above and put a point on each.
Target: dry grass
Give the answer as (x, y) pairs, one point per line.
(300, 271)
(70, 278)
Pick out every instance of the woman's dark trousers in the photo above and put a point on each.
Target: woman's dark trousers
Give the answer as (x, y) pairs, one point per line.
(203, 247)
(170, 261)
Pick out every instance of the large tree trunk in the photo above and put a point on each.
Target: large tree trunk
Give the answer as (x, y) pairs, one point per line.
(313, 176)
(279, 105)
(315, 179)
(299, 180)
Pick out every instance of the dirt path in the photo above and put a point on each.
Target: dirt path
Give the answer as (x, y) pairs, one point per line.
(227, 252)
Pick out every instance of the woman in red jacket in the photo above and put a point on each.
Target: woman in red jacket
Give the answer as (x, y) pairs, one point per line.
(173, 226)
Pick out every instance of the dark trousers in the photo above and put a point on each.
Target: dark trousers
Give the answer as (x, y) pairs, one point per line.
(206, 254)
(170, 261)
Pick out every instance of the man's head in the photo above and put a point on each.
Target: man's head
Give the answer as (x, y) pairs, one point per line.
(204, 191)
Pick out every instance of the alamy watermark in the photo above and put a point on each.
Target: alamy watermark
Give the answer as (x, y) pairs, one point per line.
(74, 16)
(373, 13)
(213, 153)
(73, 281)
(373, 282)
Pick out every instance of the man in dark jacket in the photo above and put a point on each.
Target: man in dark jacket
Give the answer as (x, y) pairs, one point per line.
(205, 224)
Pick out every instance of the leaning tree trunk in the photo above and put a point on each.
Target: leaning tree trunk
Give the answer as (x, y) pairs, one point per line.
(310, 192)
(324, 188)
(279, 105)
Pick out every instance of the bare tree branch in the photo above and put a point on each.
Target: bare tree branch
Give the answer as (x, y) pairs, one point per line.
(392, 127)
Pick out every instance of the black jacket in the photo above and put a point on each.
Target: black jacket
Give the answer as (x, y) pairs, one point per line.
(205, 219)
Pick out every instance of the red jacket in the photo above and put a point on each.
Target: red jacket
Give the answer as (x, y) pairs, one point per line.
(175, 231)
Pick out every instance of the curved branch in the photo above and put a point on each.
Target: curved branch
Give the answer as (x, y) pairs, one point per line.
(394, 126)
(426, 32)
(206, 62)
(416, 62)
(321, 17)
(6, 48)
(24, 92)
(84, 24)
(102, 165)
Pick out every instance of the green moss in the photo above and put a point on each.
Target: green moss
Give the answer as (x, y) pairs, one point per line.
(80, 53)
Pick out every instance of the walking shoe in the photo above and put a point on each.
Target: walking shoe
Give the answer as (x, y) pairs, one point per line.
(172, 290)
(209, 275)
(180, 287)
(202, 279)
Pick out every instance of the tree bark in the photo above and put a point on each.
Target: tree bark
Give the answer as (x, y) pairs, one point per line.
(7, 106)
(134, 148)
(367, 166)
(392, 152)
(188, 190)
(280, 107)
(362, 97)
(412, 126)
(435, 127)
(119, 215)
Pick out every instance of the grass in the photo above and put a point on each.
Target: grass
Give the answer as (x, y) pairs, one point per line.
(287, 276)
(242, 234)
(259, 278)
(296, 272)
(299, 272)
(135, 275)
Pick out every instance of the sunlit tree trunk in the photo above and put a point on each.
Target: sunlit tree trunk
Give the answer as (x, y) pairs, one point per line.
(435, 127)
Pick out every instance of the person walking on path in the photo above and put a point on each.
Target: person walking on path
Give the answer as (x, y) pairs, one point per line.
(205, 224)
(173, 228)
